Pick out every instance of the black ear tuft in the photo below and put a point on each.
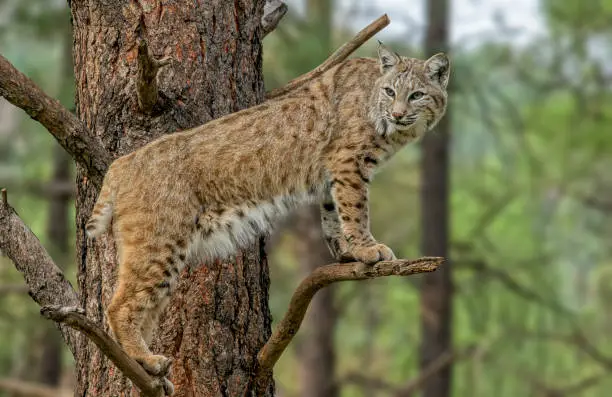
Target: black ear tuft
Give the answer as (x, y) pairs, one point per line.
(438, 69)
(386, 57)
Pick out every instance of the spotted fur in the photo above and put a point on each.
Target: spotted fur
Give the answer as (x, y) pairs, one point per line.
(205, 193)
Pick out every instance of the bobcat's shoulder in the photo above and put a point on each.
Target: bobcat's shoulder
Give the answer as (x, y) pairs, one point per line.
(209, 191)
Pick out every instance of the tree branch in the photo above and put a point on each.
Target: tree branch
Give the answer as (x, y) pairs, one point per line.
(414, 384)
(434, 367)
(146, 84)
(74, 317)
(320, 278)
(274, 11)
(67, 129)
(338, 56)
(21, 388)
(46, 282)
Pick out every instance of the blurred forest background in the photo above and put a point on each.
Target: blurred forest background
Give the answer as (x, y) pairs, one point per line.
(530, 205)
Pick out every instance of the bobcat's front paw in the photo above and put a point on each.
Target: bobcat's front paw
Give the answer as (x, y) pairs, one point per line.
(372, 254)
(155, 364)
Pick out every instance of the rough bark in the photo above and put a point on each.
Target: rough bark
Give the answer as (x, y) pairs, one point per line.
(316, 350)
(219, 317)
(437, 288)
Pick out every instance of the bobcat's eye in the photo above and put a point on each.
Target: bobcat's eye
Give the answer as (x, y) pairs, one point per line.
(389, 92)
(416, 95)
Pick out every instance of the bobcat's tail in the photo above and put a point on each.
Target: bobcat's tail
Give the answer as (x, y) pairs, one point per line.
(103, 210)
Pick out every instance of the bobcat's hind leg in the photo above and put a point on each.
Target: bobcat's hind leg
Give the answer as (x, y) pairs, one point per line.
(130, 316)
(146, 278)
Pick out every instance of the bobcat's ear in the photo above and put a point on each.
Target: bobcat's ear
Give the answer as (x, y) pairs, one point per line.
(438, 69)
(386, 58)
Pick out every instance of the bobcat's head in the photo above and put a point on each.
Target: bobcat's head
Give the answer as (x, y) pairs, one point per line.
(410, 94)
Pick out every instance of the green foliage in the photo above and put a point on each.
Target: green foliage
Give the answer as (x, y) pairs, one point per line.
(531, 201)
(530, 149)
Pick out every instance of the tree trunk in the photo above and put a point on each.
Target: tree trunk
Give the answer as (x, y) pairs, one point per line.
(316, 351)
(219, 316)
(436, 288)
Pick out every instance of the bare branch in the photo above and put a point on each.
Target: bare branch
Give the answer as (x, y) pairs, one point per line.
(319, 278)
(274, 11)
(419, 380)
(581, 386)
(338, 56)
(46, 282)
(75, 317)
(578, 339)
(511, 284)
(366, 381)
(67, 129)
(146, 84)
(19, 388)
(434, 367)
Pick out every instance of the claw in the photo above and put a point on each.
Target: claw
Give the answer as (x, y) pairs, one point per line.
(168, 387)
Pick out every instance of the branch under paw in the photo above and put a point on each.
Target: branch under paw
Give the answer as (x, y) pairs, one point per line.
(320, 278)
(75, 317)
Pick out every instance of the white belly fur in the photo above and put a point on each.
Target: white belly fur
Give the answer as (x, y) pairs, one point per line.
(245, 230)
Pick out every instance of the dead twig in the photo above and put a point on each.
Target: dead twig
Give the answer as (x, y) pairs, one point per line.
(414, 384)
(434, 367)
(320, 278)
(338, 56)
(146, 83)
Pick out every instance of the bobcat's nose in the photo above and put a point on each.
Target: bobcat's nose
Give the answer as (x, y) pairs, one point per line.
(398, 115)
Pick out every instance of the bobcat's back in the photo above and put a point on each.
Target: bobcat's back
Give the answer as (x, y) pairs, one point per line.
(212, 190)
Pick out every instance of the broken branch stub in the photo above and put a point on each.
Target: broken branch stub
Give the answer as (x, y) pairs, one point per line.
(149, 100)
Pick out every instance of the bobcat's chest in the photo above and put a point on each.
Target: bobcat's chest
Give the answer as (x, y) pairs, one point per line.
(222, 236)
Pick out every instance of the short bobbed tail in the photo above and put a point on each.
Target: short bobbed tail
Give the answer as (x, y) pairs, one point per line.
(102, 212)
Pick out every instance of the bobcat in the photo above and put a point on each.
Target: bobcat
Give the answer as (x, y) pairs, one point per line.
(204, 193)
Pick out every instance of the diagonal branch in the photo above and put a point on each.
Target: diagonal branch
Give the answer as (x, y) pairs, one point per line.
(320, 278)
(46, 282)
(334, 59)
(434, 367)
(74, 317)
(67, 129)
(414, 384)
(511, 284)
